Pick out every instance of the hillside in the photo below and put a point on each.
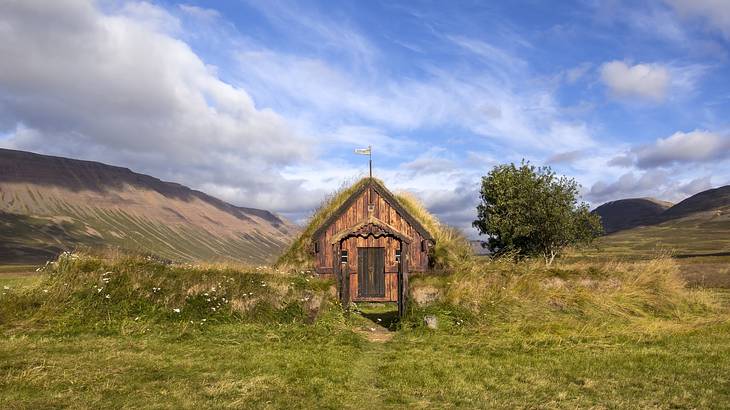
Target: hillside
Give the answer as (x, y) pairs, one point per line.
(631, 212)
(695, 228)
(705, 201)
(49, 204)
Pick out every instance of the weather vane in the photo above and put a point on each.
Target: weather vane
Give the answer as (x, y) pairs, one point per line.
(369, 152)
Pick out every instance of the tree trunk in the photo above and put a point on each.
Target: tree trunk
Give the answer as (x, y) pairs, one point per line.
(549, 257)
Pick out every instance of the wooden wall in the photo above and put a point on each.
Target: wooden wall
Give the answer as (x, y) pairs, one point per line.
(358, 213)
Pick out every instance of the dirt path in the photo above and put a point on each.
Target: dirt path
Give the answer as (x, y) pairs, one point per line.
(374, 332)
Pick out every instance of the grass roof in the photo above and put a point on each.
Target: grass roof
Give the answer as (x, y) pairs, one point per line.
(299, 253)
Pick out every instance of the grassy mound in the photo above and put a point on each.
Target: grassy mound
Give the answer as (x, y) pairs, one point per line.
(80, 291)
(488, 293)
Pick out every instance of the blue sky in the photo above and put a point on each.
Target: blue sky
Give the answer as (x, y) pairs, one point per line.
(262, 103)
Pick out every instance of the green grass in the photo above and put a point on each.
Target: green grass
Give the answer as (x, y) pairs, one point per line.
(574, 336)
(19, 277)
(293, 366)
(4, 269)
(20, 281)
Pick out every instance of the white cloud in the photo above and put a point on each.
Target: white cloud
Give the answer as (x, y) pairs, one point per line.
(651, 82)
(576, 73)
(200, 12)
(658, 184)
(119, 87)
(495, 103)
(715, 12)
(680, 147)
(648, 81)
(566, 157)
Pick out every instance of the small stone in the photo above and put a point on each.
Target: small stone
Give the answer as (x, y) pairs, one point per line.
(431, 322)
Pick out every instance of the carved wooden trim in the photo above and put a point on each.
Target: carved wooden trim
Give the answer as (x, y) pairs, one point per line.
(371, 226)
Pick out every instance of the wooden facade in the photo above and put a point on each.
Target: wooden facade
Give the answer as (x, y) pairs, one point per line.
(371, 222)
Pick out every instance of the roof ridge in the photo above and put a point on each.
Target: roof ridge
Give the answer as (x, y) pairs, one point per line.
(387, 195)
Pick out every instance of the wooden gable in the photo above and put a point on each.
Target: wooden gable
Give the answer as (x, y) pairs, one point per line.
(388, 225)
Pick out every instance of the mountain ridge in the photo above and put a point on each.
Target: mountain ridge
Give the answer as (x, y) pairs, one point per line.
(96, 204)
(629, 213)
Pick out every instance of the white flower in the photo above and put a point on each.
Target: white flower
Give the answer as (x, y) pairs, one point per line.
(136, 318)
(204, 320)
(6, 287)
(107, 296)
(176, 310)
(45, 290)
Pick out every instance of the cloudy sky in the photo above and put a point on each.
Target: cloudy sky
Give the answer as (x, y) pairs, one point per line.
(262, 102)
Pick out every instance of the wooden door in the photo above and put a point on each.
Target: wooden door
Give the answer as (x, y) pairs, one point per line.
(371, 272)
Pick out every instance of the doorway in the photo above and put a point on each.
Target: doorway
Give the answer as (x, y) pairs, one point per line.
(371, 272)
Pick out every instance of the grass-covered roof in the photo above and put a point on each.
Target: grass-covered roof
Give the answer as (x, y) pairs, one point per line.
(299, 253)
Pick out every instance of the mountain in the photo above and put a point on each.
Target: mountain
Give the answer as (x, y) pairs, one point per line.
(697, 226)
(631, 212)
(49, 204)
(705, 201)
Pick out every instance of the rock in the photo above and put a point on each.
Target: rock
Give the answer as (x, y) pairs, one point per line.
(425, 295)
(431, 322)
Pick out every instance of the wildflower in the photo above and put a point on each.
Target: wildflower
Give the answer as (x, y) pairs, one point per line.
(176, 310)
(6, 287)
(213, 309)
(45, 290)
(204, 320)
(107, 296)
(136, 318)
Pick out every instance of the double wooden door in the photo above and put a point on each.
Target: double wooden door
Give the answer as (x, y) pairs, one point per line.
(371, 272)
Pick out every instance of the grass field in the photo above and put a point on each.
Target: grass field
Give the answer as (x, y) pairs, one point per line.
(249, 366)
(543, 347)
(699, 243)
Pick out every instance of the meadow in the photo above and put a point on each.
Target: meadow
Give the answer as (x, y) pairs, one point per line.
(602, 335)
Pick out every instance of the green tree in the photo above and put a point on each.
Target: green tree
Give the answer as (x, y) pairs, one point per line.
(531, 211)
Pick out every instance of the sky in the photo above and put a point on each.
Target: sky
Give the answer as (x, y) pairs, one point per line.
(261, 103)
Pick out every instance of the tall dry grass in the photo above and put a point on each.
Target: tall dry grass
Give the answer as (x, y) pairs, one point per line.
(503, 291)
(82, 290)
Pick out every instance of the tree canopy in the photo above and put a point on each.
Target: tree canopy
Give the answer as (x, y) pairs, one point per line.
(531, 211)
